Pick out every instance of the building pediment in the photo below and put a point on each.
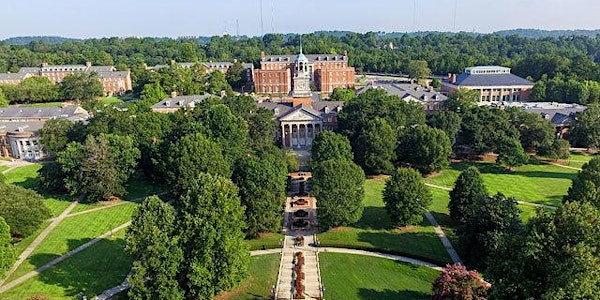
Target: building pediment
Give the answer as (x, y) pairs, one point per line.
(300, 114)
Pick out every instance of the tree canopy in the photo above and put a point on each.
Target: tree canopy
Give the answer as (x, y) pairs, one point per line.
(406, 197)
(424, 148)
(23, 210)
(330, 145)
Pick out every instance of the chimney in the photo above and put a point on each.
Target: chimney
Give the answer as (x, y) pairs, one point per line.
(88, 64)
(262, 54)
(453, 78)
(173, 94)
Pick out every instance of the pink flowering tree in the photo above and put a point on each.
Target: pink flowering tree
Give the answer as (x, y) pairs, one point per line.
(457, 283)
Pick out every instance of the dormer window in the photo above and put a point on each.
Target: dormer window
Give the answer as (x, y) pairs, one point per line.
(327, 109)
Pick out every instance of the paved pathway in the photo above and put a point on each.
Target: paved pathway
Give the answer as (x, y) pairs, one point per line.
(40, 238)
(312, 273)
(57, 260)
(563, 166)
(15, 163)
(443, 238)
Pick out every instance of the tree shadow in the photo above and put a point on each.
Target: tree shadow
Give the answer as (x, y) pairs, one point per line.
(371, 294)
(32, 183)
(374, 218)
(490, 168)
(91, 271)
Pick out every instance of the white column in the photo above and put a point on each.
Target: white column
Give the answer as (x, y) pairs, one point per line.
(283, 135)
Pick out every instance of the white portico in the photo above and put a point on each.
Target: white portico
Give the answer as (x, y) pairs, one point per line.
(299, 127)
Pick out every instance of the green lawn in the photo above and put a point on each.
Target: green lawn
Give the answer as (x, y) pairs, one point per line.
(262, 275)
(95, 269)
(356, 277)
(537, 183)
(3, 168)
(268, 240)
(109, 100)
(73, 232)
(374, 231)
(47, 104)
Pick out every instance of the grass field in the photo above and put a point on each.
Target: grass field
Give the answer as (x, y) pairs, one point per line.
(73, 232)
(374, 231)
(109, 100)
(47, 104)
(536, 183)
(262, 275)
(268, 240)
(355, 277)
(90, 272)
(3, 168)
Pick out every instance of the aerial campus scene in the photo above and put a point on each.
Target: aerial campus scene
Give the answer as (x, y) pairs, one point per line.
(264, 149)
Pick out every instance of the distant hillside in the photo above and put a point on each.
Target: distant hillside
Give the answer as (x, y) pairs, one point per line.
(537, 33)
(24, 40)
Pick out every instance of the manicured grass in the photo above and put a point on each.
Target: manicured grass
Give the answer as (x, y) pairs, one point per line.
(537, 183)
(73, 232)
(356, 277)
(90, 272)
(268, 240)
(109, 100)
(262, 275)
(25, 176)
(47, 104)
(24, 243)
(3, 168)
(375, 232)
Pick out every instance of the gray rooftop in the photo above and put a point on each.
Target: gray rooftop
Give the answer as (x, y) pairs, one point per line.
(208, 65)
(310, 57)
(281, 109)
(558, 113)
(181, 101)
(12, 76)
(483, 80)
(13, 114)
(406, 91)
(21, 126)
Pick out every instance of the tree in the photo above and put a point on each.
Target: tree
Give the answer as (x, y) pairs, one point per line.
(457, 283)
(436, 83)
(467, 189)
(22, 209)
(210, 226)
(586, 185)
(236, 76)
(338, 184)
(462, 99)
(536, 133)
(152, 93)
(586, 131)
(330, 145)
(56, 134)
(81, 86)
(424, 148)
(261, 128)
(483, 129)
(3, 100)
(559, 149)
(376, 146)
(217, 83)
(7, 253)
(511, 154)
(100, 167)
(228, 130)
(486, 221)
(406, 197)
(191, 155)
(153, 244)
(39, 89)
(340, 94)
(446, 120)
(52, 178)
(418, 69)
(262, 188)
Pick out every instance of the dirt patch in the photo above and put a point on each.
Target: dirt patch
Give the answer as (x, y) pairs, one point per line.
(338, 229)
(380, 176)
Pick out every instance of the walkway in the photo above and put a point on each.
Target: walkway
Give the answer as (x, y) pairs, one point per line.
(312, 274)
(57, 260)
(40, 238)
(563, 166)
(443, 238)
(15, 163)
(381, 255)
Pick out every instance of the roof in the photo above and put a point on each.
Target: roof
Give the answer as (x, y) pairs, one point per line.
(557, 113)
(208, 65)
(113, 74)
(21, 126)
(12, 76)
(310, 57)
(72, 112)
(317, 108)
(406, 91)
(505, 79)
(181, 101)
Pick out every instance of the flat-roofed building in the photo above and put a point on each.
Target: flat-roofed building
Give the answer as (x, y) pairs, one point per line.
(494, 84)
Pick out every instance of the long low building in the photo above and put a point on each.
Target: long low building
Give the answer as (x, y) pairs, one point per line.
(494, 84)
(113, 82)
(428, 97)
(19, 128)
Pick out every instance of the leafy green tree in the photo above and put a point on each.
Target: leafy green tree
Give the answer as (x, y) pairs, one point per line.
(57, 133)
(3, 100)
(228, 130)
(262, 188)
(81, 86)
(22, 209)
(39, 89)
(406, 197)
(376, 147)
(538, 92)
(483, 129)
(210, 226)
(191, 155)
(586, 131)
(536, 133)
(338, 184)
(586, 185)
(151, 94)
(424, 148)
(457, 283)
(261, 128)
(52, 178)
(418, 69)
(486, 221)
(462, 99)
(467, 189)
(340, 94)
(236, 76)
(436, 83)
(446, 120)
(330, 145)
(511, 154)
(100, 167)
(7, 253)
(153, 244)
(559, 149)
(217, 83)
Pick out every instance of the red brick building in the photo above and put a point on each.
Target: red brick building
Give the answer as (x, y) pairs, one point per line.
(326, 71)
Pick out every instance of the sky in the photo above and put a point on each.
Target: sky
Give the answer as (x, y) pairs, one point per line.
(175, 18)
